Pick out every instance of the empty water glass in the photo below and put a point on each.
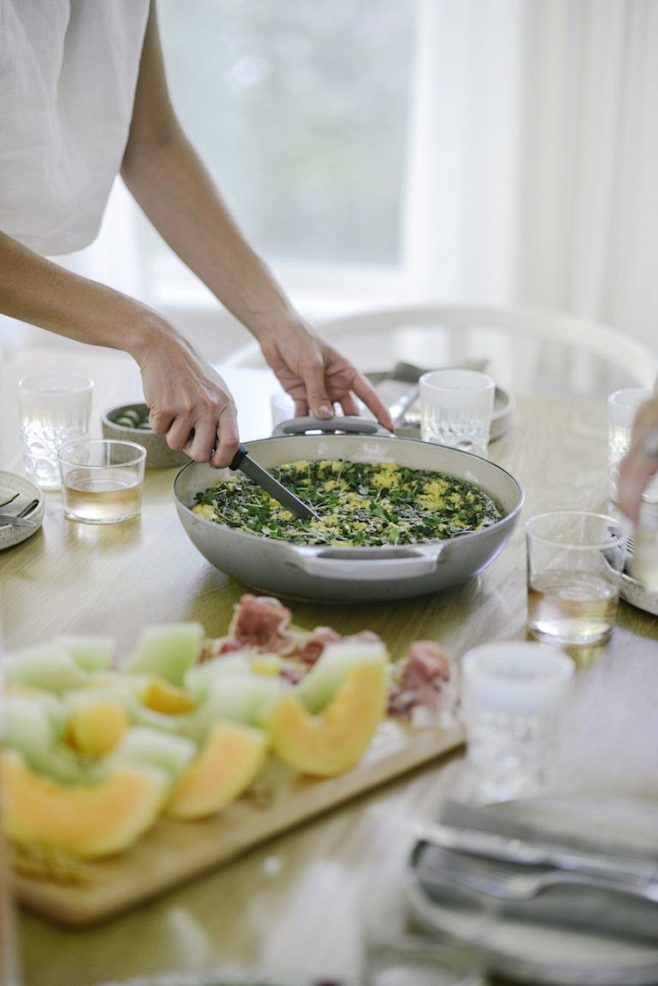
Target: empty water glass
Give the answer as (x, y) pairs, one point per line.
(514, 697)
(456, 407)
(55, 408)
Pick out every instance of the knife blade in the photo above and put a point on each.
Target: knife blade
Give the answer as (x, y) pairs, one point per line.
(243, 462)
(16, 521)
(512, 850)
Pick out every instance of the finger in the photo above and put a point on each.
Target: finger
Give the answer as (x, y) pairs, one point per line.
(160, 421)
(635, 471)
(202, 443)
(371, 399)
(228, 438)
(312, 373)
(349, 405)
(179, 433)
(301, 407)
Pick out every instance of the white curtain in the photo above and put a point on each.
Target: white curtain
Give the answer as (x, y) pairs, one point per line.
(534, 157)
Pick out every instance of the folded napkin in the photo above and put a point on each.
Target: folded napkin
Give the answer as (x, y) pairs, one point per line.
(576, 907)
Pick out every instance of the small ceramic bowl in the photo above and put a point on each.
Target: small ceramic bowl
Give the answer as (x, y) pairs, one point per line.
(129, 422)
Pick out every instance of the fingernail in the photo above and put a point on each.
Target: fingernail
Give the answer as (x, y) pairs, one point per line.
(325, 411)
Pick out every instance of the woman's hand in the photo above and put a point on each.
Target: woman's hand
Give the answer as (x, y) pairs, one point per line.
(188, 401)
(317, 377)
(641, 462)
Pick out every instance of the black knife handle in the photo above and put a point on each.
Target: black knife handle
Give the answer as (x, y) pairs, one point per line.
(238, 457)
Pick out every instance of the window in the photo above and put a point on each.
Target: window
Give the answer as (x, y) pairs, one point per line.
(301, 113)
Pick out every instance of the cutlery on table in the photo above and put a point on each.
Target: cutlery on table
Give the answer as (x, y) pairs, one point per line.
(20, 519)
(15, 521)
(266, 480)
(627, 869)
(492, 881)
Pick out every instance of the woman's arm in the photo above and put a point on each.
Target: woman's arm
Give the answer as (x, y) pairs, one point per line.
(183, 393)
(172, 186)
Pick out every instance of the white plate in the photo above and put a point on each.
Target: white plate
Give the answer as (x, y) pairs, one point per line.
(530, 952)
(10, 482)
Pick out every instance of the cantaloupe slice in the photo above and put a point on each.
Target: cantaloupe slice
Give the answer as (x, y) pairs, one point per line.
(96, 727)
(162, 696)
(227, 764)
(89, 821)
(335, 740)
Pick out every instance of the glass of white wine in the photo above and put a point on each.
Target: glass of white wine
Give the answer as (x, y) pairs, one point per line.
(575, 561)
(102, 480)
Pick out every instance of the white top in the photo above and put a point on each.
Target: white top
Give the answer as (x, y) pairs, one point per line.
(68, 72)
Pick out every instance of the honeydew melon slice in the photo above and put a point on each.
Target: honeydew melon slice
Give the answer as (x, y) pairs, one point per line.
(55, 708)
(245, 699)
(91, 653)
(334, 741)
(167, 649)
(327, 675)
(200, 678)
(28, 728)
(227, 764)
(86, 820)
(46, 666)
(141, 745)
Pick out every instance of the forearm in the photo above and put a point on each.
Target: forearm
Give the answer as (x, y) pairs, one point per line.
(37, 291)
(179, 197)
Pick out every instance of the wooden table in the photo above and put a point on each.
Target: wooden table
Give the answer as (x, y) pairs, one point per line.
(293, 907)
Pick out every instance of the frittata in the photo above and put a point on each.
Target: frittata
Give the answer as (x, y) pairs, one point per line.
(359, 503)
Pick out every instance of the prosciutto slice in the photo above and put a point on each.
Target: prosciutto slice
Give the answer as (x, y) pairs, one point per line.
(419, 679)
(263, 622)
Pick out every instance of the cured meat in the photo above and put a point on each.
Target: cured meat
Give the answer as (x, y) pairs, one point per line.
(419, 679)
(316, 642)
(262, 621)
(420, 685)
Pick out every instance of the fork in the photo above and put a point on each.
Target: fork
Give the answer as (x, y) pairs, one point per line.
(524, 886)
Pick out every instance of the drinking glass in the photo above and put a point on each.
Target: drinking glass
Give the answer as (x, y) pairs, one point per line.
(456, 407)
(102, 480)
(55, 408)
(282, 407)
(622, 405)
(514, 698)
(575, 561)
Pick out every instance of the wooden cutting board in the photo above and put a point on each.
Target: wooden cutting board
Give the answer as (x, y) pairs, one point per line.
(174, 852)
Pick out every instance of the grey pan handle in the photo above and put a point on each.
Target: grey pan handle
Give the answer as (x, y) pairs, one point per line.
(349, 423)
(363, 564)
